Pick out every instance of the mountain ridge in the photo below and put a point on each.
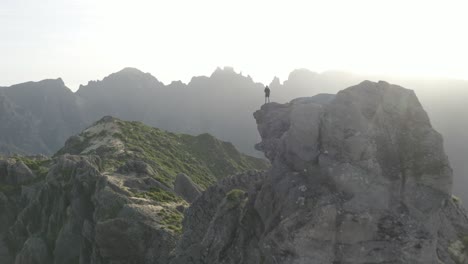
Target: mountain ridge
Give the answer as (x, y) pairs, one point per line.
(360, 176)
(217, 105)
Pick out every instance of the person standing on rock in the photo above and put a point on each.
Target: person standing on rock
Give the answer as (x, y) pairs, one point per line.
(267, 94)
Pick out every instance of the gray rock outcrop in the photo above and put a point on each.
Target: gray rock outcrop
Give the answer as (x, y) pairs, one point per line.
(81, 215)
(15, 172)
(186, 188)
(199, 220)
(361, 177)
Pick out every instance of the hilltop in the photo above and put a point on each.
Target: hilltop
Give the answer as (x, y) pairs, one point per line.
(204, 158)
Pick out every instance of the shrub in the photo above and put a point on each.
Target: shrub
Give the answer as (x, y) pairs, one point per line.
(235, 195)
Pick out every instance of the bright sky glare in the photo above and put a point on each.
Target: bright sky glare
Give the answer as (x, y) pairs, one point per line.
(82, 40)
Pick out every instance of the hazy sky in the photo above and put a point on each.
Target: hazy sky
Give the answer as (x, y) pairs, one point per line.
(82, 40)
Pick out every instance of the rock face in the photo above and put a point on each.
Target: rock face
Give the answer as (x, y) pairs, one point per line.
(212, 220)
(186, 188)
(360, 177)
(17, 130)
(80, 215)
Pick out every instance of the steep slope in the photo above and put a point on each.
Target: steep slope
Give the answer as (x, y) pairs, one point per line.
(113, 194)
(17, 131)
(48, 110)
(360, 177)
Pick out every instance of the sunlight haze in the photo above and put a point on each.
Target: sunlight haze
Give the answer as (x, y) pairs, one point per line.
(175, 40)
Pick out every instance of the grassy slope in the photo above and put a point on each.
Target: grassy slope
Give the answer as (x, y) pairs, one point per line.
(203, 158)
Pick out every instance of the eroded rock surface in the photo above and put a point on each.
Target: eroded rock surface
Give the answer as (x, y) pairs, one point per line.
(186, 188)
(80, 215)
(360, 177)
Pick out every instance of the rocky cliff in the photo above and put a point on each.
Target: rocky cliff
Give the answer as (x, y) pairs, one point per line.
(115, 193)
(357, 177)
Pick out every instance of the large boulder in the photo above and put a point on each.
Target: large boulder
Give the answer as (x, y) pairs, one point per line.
(186, 188)
(360, 177)
(136, 166)
(15, 172)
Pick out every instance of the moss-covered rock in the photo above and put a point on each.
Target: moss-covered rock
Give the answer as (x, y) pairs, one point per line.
(458, 252)
(235, 196)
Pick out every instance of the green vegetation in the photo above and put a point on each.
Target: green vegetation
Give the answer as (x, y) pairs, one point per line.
(171, 219)
(235, 196)
(204, 158)
(40, 167)
(457, 252)
(160, 195)
(102, 134)
(455, 199)
(220, 157)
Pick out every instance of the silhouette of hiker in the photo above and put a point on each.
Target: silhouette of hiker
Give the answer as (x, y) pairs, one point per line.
(267, 94)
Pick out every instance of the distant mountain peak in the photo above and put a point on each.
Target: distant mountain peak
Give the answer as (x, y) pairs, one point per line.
(275, 82)
(128, 79)
(224, 70)
(302, 72)
(178, 83)
(131, 70)
(42, 83)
